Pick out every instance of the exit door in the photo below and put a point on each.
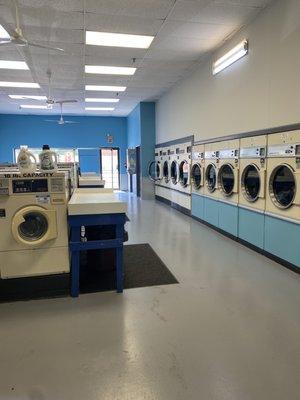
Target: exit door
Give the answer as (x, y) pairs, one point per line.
(109, 162)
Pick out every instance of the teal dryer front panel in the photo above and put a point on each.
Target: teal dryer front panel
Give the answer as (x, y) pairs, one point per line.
(211, 211)
(197, 206)
(282, 238)
(251, 227)
(228, 218)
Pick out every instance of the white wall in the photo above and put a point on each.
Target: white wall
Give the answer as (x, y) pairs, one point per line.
(260, 91)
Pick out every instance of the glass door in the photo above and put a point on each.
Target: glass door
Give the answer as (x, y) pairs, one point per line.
(109, 160)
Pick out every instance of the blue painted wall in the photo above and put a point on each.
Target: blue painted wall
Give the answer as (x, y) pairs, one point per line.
(141, 132)
(134, 128)
(33, 131)
(147, 135)
(89, 160)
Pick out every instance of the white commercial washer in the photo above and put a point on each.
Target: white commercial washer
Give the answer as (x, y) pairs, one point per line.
(33, 225)
(197, 170)
(283, 175)
(228, 171)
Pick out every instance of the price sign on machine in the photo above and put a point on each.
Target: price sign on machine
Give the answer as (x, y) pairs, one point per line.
(109, 138)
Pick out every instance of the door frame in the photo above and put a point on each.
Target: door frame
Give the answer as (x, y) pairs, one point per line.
(100, 157)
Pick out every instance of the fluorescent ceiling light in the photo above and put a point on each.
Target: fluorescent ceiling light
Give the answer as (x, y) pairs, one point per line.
(231, 57)
(105, 88)
(118, 40)
(25, 96)
(20, 84)
(103, 69)
(33, 106)
(3, 34)
(99, 108)
(13, 64)
(97, 100)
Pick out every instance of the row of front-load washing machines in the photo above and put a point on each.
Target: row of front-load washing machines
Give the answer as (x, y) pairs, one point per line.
(260, 173)
(171, 172)
(248, 187)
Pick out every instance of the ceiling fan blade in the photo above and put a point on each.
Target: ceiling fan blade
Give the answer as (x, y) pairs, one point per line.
(66, 101)
(71, 122)
(6, 42)
(40, 46)
(51, 120)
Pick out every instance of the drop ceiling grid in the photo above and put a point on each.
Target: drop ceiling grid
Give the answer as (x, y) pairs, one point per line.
(185, 31)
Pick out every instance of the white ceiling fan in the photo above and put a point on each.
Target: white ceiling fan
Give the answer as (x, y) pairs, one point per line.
(50, 101)
(17, 38)
(61, 120)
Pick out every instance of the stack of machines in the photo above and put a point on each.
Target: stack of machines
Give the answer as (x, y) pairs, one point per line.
(246, 187)
(171, 172)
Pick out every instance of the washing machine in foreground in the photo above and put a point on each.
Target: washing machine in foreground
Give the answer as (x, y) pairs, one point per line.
(33, 225)
(282, 220)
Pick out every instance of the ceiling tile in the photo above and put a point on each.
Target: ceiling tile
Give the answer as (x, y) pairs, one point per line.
(134, 8)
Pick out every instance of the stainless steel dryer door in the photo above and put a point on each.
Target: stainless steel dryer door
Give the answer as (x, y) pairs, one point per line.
(155, 171)
(197, 176)
(282, 186)
(184, 173)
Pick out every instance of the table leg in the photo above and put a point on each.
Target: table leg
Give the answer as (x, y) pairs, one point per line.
(75, 267)
(119, 267)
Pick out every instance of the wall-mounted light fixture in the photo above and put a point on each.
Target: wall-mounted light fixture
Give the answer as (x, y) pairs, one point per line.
(231, 57)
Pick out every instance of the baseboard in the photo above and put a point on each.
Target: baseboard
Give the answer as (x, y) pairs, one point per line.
(271, 256)
(37, 287)
(215, 228)
(177, 207)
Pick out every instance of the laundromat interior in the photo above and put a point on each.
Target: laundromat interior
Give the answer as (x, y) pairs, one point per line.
(149, 199)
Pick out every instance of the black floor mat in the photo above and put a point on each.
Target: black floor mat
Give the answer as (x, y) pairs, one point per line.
(142, 267)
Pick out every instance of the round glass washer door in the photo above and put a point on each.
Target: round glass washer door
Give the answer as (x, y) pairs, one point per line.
(166, 171)
(196, 174)
(184, 173)
(154, 171)
(34, 226)
(282, 186)
(211, 177)
(226, 179)
(174, 172)
(251, 182)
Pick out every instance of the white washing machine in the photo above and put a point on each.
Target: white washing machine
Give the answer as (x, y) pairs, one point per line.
(174, 172)
(180, 169)
(283, 175)
(228, 171)
(198, 168)
(33, 225)
(211, 170)
(165, 168)
(155, 171)
(252, 183)
(184, 161)
(159, 172)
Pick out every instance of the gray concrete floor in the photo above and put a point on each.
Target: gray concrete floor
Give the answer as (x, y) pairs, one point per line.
(229, 330)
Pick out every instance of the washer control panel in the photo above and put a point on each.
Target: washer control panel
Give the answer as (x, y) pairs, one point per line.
(29, 186)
